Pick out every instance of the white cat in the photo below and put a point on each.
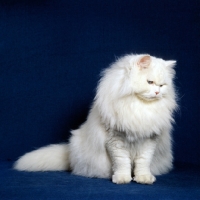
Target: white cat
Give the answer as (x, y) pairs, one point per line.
(128, 130)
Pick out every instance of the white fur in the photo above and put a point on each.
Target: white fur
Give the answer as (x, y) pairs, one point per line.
(50, 158)
(128, 129)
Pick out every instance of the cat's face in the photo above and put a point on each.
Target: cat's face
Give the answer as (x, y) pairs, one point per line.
(153, 78)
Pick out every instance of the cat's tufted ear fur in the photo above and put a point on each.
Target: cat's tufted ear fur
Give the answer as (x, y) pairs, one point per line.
(144, 61)
(170, 63)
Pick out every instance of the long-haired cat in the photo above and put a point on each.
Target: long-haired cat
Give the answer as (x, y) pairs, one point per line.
(127, 135)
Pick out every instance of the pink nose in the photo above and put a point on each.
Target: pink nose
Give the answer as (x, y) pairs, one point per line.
(157, 93)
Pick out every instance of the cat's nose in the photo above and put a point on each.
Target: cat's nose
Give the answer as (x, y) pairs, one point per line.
(157, 93)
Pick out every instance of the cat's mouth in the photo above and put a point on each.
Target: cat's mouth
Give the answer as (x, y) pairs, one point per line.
(149, 98)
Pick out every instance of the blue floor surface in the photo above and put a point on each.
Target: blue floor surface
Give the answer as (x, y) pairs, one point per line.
(181, 183)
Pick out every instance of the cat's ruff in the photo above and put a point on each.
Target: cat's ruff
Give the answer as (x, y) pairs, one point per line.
(127, 134)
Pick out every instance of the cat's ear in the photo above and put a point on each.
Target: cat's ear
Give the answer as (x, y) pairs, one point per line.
(144, 61)
(170, 63)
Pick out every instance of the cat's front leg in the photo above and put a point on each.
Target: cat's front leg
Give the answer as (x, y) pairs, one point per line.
(120, 158)
(142, 173)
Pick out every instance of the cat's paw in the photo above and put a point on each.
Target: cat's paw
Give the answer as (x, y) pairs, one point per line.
(145, 179)
(121, 178)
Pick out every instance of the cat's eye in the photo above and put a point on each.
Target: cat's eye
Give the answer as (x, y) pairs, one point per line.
(149, 82)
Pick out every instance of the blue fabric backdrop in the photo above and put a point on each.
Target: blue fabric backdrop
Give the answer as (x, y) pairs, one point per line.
(52, 51)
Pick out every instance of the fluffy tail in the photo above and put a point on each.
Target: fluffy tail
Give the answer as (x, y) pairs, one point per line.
(49, 158)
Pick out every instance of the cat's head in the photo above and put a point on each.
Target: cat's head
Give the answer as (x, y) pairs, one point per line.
(152, 78)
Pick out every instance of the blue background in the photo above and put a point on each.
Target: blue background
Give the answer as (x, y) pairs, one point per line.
(51, 54)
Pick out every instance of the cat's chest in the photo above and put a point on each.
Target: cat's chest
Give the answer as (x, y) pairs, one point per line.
(144, 112)
(144, 115)
(142, 118)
